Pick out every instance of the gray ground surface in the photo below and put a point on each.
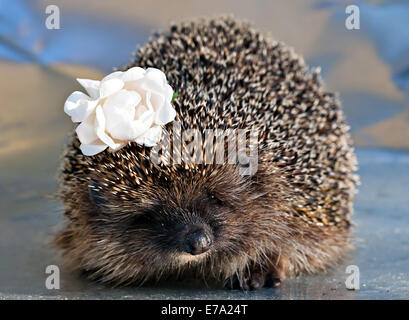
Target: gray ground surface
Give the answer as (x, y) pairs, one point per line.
(28, 219)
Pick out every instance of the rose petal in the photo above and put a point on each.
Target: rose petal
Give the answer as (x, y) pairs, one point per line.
(156, 75)
(92, 87)
(100, 128)
(168, 93)
(153, 81)
(147, 116)
(151, 137)
(123, 130)
(93, 148)
(140, 110)
(119, 110)
(79, 106)
(143, 124)
(73, 101)
(113, 75)
(118, 145)
(84, 109)
(133, 74)
(164, 111)
(86, 131)
(166, 114)
(122, 102)
(156, 100)
(110, 86)
(149, 85)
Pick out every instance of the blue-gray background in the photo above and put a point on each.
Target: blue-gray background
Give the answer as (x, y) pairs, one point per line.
(369, 67)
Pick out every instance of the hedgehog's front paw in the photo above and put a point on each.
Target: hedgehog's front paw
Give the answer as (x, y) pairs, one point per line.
(253, 281)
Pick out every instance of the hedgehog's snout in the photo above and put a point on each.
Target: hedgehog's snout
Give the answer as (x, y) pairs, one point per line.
(198, 239)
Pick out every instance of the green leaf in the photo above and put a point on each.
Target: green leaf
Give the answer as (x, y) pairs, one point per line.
(174, 97)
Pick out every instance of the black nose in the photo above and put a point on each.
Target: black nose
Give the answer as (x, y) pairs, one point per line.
(197, 241)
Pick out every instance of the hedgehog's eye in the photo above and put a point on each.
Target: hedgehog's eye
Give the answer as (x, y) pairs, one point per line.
(138, 220)
(214, 199)
(145, 216)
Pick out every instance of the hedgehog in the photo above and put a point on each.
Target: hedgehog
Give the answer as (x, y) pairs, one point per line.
(129, 220)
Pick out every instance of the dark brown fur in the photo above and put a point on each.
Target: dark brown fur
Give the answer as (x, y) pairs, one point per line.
(124, 214)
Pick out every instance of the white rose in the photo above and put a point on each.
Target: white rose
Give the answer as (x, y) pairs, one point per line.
(122, 107)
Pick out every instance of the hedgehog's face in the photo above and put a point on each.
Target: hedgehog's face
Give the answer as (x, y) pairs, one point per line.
(172, 220)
